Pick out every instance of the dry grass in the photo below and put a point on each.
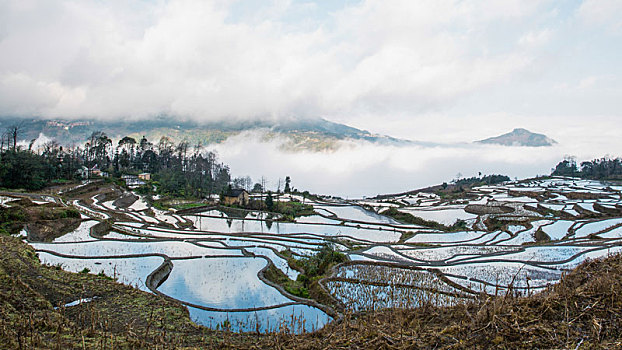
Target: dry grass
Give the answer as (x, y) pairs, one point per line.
(584, 310)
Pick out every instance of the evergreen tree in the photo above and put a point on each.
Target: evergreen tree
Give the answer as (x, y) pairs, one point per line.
(269, 201)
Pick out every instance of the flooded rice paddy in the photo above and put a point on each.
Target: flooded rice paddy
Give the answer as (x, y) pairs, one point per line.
(516, 237)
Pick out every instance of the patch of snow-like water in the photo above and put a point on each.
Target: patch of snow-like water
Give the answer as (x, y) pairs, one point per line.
(444, 216)
(558, 229)
(139, 205)
(597, 226)
(77, 302)
(80, 234)
(446, 237)
(385, 253)
(571, 212)
(146, 218)
(108, 205)
(527, 236)
(164, 216)
(612, 234)
(356, 213)
(22, 234)
(89, 211)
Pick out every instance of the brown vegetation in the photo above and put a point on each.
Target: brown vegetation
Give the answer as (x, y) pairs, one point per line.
(42, 222)
(581, 311)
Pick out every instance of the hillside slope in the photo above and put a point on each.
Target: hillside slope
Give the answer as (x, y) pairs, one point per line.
(581, 311)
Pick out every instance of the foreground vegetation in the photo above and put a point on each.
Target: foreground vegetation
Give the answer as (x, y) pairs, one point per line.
(581, 311)
(312, 269)
(32, 313)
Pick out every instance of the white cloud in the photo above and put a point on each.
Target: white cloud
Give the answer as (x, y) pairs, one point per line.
(189, 58)
(602, 13)
(534, 39)
(365, 169)
(402, 60)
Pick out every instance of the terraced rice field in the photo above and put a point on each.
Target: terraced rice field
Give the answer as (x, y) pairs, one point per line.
(516, 237)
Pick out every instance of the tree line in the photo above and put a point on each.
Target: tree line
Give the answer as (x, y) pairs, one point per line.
(598, 169)
(176, 169)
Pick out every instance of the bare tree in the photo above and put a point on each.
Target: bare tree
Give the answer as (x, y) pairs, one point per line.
(197, 148)
(4, 135)
(13, 131)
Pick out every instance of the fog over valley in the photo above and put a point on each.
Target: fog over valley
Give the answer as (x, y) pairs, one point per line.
(359, 169)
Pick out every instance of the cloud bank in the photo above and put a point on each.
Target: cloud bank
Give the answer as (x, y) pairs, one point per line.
(365, 169)
(393, 60)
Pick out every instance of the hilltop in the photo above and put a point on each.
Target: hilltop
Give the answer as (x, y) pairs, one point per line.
(520, 137)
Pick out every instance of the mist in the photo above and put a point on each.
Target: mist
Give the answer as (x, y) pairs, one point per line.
(359, 169)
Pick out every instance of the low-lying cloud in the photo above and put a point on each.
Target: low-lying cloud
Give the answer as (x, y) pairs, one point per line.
(365, 169)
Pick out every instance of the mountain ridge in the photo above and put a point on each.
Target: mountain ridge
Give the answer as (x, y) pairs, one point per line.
(300, 134)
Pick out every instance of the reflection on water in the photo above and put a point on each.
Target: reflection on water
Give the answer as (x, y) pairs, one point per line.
(115, 248)
(223, 283)
(293, 318)
(223, 225)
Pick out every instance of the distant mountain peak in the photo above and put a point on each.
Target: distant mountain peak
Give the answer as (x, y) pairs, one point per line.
(520, 137)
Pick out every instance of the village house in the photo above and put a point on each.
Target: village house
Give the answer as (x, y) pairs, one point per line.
(95, 171)
(144, 176)
(132, 181)
(83, 172)
(236, 196)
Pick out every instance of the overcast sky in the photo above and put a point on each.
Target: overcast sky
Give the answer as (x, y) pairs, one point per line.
(406, 68)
